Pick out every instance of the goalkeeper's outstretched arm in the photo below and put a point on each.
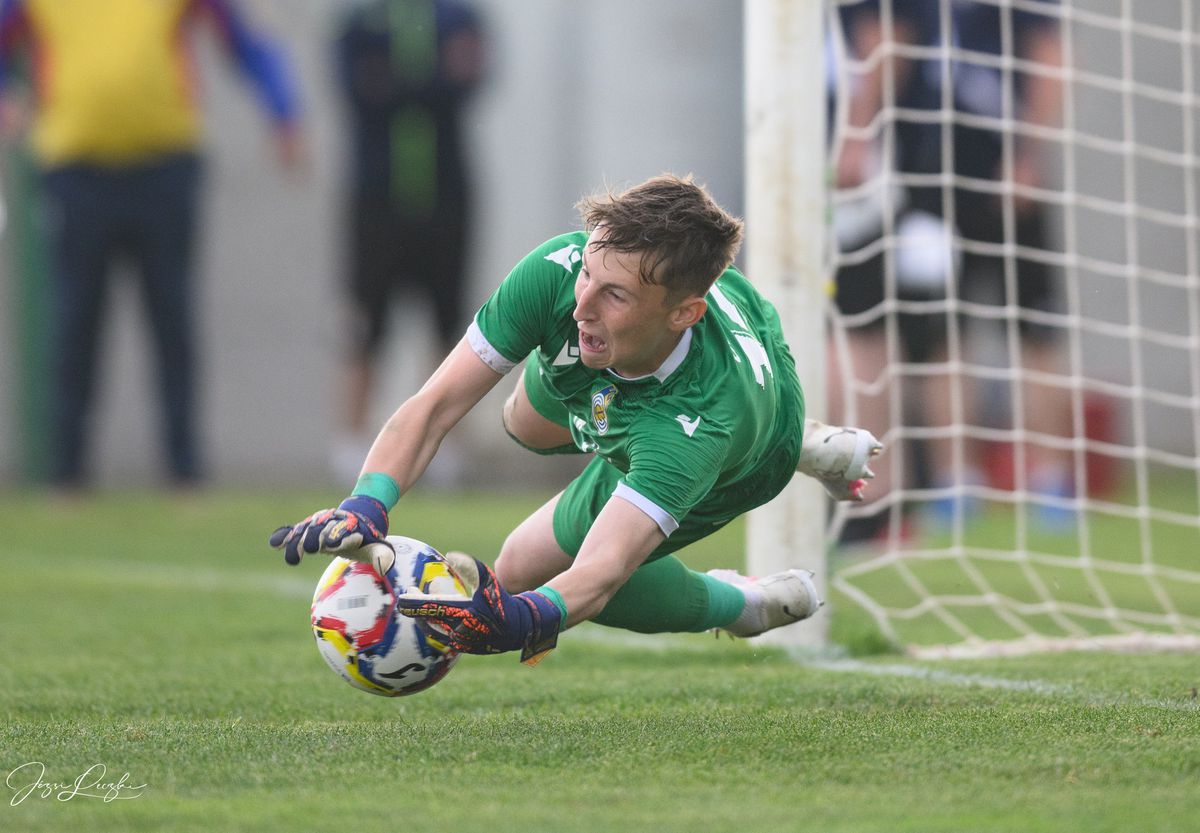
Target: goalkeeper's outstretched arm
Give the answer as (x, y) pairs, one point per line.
(620, 540)
(411, 436)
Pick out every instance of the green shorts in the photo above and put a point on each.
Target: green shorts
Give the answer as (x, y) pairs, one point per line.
(540, 397)
(586, 495)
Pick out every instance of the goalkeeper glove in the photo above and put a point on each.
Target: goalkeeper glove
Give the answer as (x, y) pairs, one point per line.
(839, 458)
(359, 521)
(492, 620)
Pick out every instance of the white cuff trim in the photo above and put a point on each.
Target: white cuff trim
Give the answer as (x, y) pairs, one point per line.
(655, 512)
(488, 354)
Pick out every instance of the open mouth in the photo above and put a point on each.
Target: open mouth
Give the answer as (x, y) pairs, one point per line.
(590, 343)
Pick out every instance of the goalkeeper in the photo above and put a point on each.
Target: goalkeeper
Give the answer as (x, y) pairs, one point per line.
(646, 348)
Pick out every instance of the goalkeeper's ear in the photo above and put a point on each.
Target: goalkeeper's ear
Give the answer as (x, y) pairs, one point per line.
(687, 313)
(466, 569)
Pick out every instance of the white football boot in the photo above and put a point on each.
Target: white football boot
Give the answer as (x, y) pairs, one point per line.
(771, 602)
(839, 458)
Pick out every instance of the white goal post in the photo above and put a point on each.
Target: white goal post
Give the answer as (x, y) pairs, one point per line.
(1036, 381)
(785, 235)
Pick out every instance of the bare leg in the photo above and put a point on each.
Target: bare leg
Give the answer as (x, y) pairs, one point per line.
(531, 556)
(935, 394)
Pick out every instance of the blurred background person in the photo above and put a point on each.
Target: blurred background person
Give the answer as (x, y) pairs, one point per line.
(987, 216)
(115, 130)
(407, 70)
(863, 169)
(938, 231)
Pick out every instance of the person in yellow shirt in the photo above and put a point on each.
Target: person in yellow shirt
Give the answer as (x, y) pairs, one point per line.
(116, 133)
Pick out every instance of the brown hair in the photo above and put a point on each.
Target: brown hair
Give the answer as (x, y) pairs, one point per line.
(684, 238)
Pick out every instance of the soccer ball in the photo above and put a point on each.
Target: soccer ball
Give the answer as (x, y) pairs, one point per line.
(362, 634)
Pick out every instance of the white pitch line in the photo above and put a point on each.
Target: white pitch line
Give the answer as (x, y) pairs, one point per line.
(1041, 688)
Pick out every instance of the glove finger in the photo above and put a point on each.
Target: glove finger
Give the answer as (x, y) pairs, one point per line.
(464, 646)
(467, 635)
(466, 568)
(279, 536)
(443, 630)
(470, 640)
(444, 635)
(311, 540)
(471, 629)
(291, 544)
(487, 585)
(314, 526)
(381, 556)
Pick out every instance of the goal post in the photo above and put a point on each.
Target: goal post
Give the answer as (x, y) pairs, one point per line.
(785, 233)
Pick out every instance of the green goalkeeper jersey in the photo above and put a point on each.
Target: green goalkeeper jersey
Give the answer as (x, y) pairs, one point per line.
(713, 432)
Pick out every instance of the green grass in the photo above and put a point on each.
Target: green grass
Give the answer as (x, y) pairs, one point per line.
(161, 638)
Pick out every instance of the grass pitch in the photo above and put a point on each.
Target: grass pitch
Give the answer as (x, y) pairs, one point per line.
(162, 639)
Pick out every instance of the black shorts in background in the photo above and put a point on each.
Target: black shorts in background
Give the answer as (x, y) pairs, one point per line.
(392, 253)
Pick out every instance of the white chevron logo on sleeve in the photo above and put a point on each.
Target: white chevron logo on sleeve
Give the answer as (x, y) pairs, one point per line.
(569, 354)
(566, 257)
(689, 425)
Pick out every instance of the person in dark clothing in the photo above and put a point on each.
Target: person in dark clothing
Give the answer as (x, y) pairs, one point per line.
(407, 69)
(946, 235)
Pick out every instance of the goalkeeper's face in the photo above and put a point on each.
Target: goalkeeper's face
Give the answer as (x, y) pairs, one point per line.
(625, 324)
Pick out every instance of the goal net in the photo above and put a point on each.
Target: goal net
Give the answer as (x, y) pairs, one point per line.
(1015, 252)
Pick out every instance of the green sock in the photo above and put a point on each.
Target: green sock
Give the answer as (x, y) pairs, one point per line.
(664, 596)
(725, 602)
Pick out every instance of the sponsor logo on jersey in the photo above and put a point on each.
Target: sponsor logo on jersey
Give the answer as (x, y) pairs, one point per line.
(567, 256)
(689, 425)
(600, 403)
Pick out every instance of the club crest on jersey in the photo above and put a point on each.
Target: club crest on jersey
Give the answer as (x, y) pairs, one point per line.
(600, 402)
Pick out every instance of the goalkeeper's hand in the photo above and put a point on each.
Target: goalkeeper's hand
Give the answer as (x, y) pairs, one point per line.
(492, 620)
(357, 523)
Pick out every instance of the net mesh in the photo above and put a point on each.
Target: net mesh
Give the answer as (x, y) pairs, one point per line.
(1016, 258)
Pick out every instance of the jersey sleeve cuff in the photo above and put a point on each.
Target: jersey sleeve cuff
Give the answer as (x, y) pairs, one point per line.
(656, 513)
(488, 354)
